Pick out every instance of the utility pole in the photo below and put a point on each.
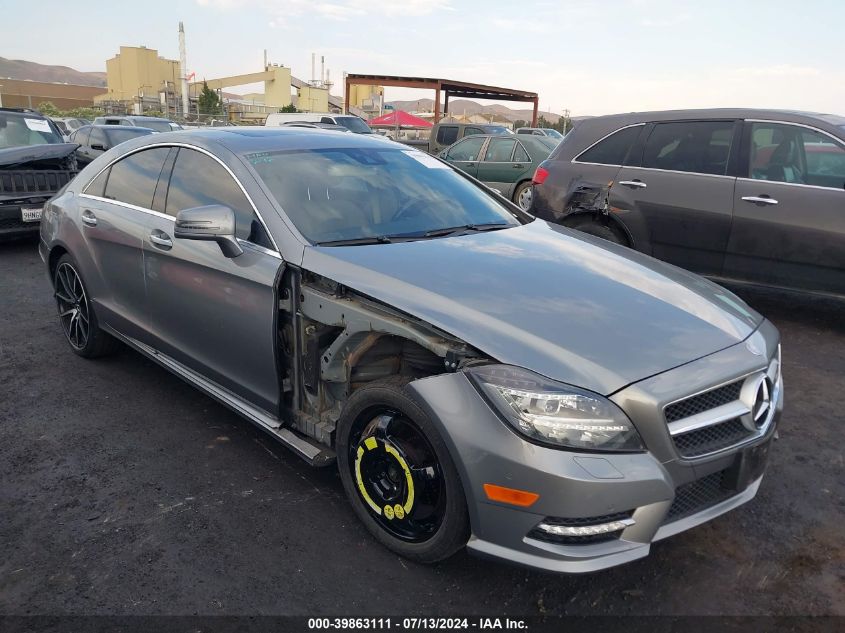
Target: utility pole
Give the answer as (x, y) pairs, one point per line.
(183, 70)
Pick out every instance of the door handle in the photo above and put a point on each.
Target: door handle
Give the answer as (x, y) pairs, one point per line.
(161, 239)
(89, 218)
(518, 166)
(637, 184)
(760, 199)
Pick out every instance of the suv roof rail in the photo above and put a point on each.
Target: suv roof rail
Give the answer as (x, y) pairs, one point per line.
(20, 110)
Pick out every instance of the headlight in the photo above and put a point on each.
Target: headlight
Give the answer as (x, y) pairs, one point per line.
(555, 413)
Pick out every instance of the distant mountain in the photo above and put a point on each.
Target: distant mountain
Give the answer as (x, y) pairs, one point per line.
(20, 69)
(465, 106)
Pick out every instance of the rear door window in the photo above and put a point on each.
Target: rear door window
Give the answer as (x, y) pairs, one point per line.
(133, 179)
(499, 150)
(612, 150)
(520, 155)
(701, 147)
(473, 130)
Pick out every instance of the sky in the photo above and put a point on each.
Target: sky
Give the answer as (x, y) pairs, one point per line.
(590, 57)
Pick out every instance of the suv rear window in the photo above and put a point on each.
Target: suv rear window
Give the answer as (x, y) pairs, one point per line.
(613, 149)
(447, 134)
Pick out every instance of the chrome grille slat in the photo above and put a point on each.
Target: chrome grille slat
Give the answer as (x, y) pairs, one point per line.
(710, 439)
(703, 401)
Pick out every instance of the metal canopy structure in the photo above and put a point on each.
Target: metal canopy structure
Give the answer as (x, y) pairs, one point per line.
(450, 88)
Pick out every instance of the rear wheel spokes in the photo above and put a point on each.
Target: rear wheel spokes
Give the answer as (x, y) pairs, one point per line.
(72, 306)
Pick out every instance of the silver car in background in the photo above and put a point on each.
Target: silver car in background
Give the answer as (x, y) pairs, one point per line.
(481, 378)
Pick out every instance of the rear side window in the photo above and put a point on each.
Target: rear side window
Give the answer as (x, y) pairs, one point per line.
(447, 134)
(612, 150)
(473, 130)
(520, 155)
(133, 179)
(198, 180)
(701, 147)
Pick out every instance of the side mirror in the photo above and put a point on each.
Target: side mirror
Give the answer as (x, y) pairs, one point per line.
(97, 146)
(444, 155)
(212, 223)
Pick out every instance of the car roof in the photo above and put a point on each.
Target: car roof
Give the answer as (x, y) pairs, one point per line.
(101, 126)
(243, 140)
(797, 116)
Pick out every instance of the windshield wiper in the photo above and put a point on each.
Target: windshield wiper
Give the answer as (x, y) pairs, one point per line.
(454, 230)
(357, 241)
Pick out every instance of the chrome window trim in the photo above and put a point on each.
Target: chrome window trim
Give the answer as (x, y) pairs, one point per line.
(195, 148)
(840, 142)
(584, 151)
(127, 205)
(676, 171)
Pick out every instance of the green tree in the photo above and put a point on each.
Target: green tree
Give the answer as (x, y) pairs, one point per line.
(84, 113)
(288, 108)
(48, 109)
(209, 101)
(157, 113)
(520, 123)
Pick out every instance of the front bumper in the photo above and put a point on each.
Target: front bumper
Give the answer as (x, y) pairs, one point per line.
(658, 489)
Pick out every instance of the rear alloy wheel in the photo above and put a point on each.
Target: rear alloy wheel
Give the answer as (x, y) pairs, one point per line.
(78, 321)
(398, 474)
(524, 196)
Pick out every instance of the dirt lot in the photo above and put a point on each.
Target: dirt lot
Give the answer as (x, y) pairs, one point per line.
(124, 491)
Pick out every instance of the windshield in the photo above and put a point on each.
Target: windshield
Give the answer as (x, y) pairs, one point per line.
(354, 193)
(22, 129)
(354, 124)
(158, 126)
(554, 134)
(117, 135)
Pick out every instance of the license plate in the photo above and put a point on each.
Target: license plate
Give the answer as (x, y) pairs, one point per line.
(31, 214)
(750, 464)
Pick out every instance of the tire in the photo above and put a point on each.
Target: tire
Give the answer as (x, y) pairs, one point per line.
(603, 231)
(410, 499)
(523, 196)
(76, 314)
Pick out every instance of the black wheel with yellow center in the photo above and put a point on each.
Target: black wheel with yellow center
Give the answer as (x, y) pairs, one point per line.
(398, 476)
(398, 473)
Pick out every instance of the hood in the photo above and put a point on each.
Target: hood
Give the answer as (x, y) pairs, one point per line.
(564, 304)
(47, 156)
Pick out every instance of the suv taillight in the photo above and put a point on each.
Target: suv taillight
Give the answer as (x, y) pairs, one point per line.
(540, 175)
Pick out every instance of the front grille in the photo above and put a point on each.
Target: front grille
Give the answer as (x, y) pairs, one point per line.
(540, 535)
(34, 181)
(710, 439)
(698, 495)
(703, 401)
(17, 223)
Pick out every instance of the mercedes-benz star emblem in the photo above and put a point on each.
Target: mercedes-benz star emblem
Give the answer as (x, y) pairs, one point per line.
(762, 402)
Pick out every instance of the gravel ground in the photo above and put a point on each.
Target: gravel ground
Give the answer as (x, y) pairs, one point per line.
(125, 491)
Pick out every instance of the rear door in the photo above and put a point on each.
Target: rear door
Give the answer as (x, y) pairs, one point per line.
(679, 195)
(465, 154)
(789, 209)
(213, 314)
(498, 169)
(114, 211)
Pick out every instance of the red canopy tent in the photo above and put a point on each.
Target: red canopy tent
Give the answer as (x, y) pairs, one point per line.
(399, 118)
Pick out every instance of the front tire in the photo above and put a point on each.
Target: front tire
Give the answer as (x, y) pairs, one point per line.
(76, 314)
(398, 475)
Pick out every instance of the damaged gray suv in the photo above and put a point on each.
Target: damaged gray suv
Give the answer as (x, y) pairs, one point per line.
(480, 378)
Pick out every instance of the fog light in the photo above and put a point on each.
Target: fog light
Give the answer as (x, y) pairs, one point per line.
(585, 530)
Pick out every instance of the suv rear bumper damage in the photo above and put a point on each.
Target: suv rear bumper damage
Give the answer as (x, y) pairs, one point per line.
(655, 494)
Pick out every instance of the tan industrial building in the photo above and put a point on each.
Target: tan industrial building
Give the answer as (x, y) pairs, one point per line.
(21, 93)
(138, 78)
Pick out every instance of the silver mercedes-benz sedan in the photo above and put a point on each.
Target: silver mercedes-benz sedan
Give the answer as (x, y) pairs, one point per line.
(480, 377)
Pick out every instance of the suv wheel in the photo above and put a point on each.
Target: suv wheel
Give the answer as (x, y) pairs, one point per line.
(398, 475)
